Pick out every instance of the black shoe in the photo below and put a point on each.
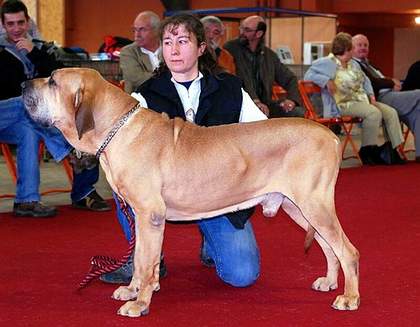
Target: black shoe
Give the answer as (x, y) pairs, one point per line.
(370, 155)
(389, 155)
(124, 274)
(93, 202)
(364, 155)
(205, 259)
(33, 209)
(396, 158)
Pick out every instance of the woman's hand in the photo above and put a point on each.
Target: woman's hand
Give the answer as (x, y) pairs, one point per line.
(332, 88)
(372, 100)
(287, 105)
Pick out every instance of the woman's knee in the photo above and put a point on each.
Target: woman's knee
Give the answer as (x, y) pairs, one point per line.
(374, 114)
(240, 275)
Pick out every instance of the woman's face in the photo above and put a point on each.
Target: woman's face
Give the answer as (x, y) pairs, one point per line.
(347, 55)
(181, 52)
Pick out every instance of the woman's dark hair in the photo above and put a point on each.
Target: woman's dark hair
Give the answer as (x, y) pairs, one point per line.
(341, 43)
(206, 62)
(13, 7)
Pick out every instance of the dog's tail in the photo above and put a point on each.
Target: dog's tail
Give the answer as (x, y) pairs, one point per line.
(310, 235)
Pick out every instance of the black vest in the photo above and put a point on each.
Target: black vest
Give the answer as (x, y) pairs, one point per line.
(220, 103)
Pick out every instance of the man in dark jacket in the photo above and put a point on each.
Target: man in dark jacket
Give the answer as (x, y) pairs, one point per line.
(22, 58)
(259, 68)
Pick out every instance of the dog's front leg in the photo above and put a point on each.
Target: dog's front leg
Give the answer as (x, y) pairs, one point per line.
(149, 237)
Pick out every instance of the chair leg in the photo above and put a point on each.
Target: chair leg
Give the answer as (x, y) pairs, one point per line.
(69, 170)
(11, 167)
(348, 139)
(403, 150)
(10, 162)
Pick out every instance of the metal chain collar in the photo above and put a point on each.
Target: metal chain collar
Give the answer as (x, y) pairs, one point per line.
(116, 128)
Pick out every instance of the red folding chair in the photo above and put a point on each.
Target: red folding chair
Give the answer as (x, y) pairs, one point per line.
(11, 166)
(306, 90)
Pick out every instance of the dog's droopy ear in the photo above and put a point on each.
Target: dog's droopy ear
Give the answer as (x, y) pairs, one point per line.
(84, 118)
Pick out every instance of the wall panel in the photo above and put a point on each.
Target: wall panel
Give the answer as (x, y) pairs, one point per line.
(51, 14)
(406, 50)
(88, 22)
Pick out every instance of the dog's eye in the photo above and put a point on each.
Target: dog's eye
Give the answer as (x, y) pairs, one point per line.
(51, 82)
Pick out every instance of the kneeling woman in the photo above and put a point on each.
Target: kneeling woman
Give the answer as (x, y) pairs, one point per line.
(189, 84)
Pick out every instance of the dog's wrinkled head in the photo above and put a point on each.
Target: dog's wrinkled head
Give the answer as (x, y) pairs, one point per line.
(66, 97)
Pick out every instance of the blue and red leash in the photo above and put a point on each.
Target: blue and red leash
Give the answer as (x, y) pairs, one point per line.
(101, 264)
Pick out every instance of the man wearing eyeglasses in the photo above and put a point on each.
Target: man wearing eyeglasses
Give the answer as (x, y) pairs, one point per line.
(139, 59)
(259, 68)
(214, 29)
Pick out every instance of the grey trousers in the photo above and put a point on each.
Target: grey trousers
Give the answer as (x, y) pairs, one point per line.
(407, 104)
(372, 119)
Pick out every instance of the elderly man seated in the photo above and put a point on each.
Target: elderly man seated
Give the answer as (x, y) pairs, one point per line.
(388, 90)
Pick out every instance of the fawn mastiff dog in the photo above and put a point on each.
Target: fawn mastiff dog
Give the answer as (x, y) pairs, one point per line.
(158, 165)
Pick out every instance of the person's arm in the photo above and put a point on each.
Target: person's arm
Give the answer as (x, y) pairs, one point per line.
(387, 82)
(367, 86)
(378, 80)
(321, 72)
(11, 76)
(288, 81)
(134, 70)
(45, 63)
(249, 110)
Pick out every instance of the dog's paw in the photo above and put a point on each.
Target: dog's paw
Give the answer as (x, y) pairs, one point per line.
(133, 309)
(125, 293)
(323, 284)
(156, 288)
(344, 302)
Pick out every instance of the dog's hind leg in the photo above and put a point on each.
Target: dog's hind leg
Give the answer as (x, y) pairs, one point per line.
(320, 214)
(329, 282)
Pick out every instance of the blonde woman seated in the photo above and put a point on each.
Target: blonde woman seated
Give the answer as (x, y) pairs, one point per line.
(346, 90)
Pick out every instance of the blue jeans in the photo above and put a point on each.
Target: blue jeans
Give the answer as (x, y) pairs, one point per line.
(17, 128)
(234, 251)
(83, 183)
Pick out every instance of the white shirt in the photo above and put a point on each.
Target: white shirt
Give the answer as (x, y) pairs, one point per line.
(190, 100)
(154, 57)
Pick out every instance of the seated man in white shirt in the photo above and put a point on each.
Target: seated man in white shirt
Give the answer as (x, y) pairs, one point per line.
(139, 59)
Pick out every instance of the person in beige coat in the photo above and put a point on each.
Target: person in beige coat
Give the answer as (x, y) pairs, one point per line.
(139, 59)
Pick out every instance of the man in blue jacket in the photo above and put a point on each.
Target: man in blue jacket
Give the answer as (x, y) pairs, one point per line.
(23, 58)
